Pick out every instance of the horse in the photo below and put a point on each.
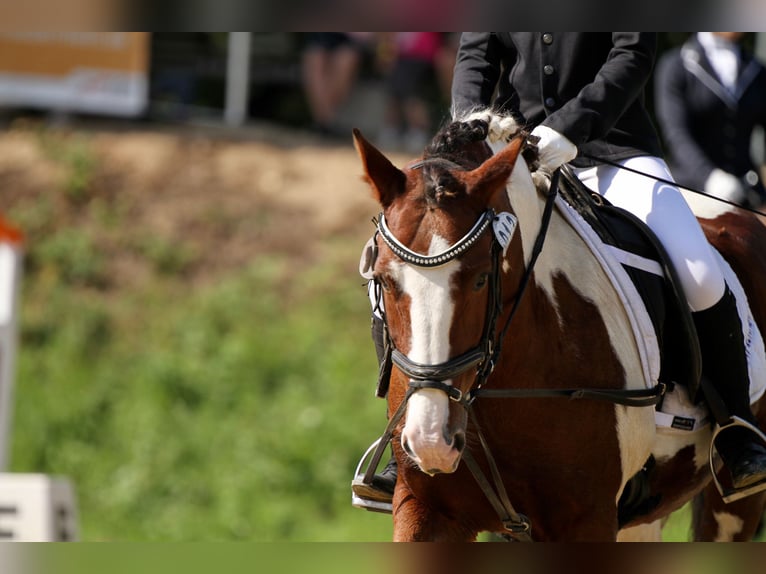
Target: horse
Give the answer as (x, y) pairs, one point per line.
(488, 289)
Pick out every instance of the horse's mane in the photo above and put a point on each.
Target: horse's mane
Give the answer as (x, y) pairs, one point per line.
(457, 141)
(464, 142)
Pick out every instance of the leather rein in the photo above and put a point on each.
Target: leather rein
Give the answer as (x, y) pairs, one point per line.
(483, 358)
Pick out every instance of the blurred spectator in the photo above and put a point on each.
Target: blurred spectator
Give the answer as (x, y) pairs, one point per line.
(709, 94)
(444, 64)
(331, 62)
(408, 62)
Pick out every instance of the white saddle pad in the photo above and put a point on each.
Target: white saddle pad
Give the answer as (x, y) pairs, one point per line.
(677, 411)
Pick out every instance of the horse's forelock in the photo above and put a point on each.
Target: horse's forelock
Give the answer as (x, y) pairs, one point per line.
(462, 143)
(439, 184)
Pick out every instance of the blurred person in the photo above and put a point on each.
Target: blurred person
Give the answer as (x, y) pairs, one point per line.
(444, 63)
(582, 95)
(330, 66)
(710, 93)
(408, 61)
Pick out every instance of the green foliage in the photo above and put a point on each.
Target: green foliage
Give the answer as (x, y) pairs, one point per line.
(77, 160)
(166, 257)
(73, 256)
(227, 406)
(236, 412)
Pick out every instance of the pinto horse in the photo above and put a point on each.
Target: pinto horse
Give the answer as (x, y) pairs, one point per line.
(474, 308)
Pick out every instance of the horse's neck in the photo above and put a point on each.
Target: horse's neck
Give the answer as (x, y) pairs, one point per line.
(527, 203)
(565, 253)
(567, 262)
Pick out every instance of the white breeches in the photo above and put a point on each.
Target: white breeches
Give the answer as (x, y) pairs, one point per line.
(664, 210)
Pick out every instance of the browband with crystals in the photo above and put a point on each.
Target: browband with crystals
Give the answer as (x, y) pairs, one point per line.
(446, 256)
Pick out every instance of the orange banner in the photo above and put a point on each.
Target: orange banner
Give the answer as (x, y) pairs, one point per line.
(58, 53)
(94, 72)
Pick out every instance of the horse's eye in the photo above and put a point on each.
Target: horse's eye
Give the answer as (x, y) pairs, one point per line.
(481, 281)
(384, 282)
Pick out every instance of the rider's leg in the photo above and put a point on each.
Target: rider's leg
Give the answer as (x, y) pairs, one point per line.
(720, 335)
(664, 210)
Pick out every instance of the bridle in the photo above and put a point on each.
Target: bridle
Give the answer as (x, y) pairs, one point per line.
(484, 356)
(481, 356)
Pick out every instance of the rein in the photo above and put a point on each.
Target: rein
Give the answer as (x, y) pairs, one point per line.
(672, 183)
(484, 357)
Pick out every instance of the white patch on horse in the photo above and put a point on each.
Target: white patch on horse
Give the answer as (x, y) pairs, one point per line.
(431, 305)
(729, 526)
(670, 442)
(431, 313)
(705, 207)
(651, 532)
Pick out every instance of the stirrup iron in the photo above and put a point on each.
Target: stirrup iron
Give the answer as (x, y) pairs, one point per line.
(729, 493)
(360, 478)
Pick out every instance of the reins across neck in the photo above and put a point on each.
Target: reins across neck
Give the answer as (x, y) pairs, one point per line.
(672, 183)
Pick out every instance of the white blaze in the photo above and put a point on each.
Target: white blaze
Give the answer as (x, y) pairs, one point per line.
(431, 313)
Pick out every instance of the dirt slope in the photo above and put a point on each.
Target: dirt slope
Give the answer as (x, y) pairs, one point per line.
(218, 197)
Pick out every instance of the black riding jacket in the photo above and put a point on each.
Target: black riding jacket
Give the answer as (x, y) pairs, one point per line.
(586, 86)
(704, 124)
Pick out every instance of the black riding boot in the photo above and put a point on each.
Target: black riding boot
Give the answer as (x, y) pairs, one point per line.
(385, 481)
(724, 365)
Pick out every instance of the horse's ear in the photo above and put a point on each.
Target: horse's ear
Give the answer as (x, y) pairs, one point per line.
(386, 179)
(491, 176)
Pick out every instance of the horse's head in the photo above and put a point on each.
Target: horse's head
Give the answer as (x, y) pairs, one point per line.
(439, 267)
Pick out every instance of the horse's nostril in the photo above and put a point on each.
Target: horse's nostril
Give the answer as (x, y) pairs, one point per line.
(458, 442)
(406, 447)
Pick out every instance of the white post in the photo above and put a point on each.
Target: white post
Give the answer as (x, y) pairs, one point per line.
(33, 507)
(10, 279)
(237, 78)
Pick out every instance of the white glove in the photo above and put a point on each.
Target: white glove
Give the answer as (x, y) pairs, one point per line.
(554, 148)
(725, 186)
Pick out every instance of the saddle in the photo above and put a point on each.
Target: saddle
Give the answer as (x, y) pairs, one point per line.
(648, 266)
(649, 269)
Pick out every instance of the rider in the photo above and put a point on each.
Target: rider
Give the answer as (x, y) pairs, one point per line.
(583, 93)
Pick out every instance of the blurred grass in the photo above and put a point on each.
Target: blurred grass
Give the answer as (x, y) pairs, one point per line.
(229, 408)
(236, 412)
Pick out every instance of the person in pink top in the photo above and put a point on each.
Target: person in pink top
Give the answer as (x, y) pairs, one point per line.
(408, 59)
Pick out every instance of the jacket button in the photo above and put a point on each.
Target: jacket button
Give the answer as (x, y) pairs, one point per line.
(548, 38)
(548, 70)
(550, 102)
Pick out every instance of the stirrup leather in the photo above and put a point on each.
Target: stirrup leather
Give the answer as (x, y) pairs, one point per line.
(729, 493)
(360, 474)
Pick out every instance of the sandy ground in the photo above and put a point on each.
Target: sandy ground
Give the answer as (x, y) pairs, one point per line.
(224, 195)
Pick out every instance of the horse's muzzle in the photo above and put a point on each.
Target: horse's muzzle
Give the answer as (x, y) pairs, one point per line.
(437, 458)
